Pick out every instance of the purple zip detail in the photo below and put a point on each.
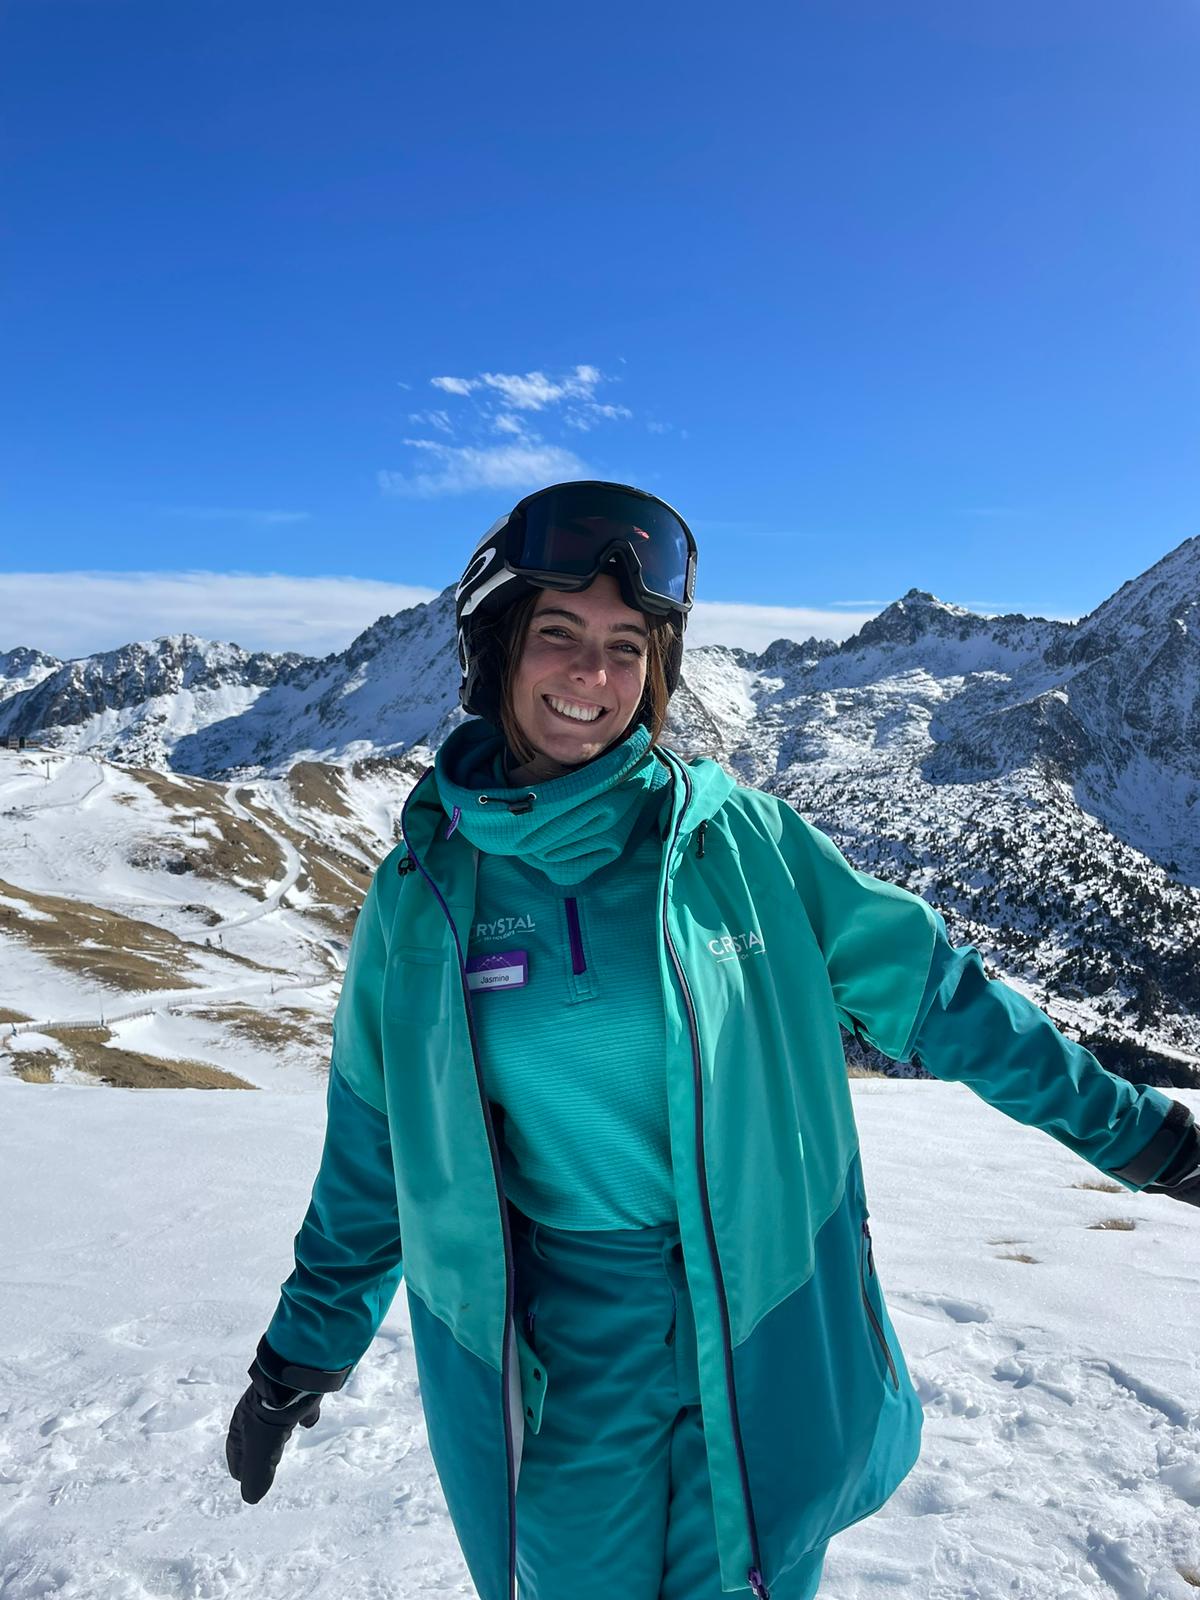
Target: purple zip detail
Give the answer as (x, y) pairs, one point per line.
(454, 821)
(578, 961)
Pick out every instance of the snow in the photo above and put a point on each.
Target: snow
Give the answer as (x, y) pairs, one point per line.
(145, 1233)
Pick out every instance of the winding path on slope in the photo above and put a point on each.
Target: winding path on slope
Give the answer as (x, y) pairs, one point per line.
(293, 865)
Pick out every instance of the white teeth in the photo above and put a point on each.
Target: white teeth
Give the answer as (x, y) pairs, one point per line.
(577, 712)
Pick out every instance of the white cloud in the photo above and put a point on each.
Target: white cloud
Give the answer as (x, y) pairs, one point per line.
(233, 514)
(433, 419)
(503, 402)
(528, 391)
(460, 469)
(755, 627)
(76, 613)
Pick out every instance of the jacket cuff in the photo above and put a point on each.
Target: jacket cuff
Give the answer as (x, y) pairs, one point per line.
(310, 1380)
(1153, 1158)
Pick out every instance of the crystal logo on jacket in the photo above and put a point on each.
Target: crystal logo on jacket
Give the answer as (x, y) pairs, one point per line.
(728, 946)
(502, 927)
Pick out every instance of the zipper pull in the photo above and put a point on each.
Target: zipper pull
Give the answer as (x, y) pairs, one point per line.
(755, 1578)
(700, 839)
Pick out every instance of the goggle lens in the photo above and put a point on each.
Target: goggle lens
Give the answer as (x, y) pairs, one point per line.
(567, 530)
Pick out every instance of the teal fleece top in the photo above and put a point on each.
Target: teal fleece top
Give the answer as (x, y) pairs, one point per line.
(571, 1037)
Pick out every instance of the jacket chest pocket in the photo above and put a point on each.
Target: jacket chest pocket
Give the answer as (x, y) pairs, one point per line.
(423, 983)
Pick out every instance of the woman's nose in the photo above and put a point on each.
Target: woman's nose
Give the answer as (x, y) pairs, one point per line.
(589, 662)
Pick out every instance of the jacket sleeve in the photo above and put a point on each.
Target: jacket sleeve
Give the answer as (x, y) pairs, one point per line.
(348, 1257)
(898, 983)
(979, 1031)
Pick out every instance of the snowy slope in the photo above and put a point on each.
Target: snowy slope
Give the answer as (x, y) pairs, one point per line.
(188, 921)
(143, 1239)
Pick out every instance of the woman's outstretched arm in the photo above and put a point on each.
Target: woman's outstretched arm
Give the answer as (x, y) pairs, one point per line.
(900, 984)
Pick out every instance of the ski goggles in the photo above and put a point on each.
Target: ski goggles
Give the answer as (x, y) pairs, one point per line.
(561, 537)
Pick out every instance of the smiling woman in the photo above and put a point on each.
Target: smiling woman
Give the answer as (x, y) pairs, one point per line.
(575, 675)
(588, 1095)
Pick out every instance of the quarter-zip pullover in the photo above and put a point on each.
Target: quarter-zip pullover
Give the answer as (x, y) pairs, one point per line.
(568, 1009)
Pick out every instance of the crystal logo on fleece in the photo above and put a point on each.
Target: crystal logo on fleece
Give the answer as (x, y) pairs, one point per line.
(502, 928)
(737, 946)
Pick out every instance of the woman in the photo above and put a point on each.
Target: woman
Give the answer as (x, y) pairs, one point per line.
(588, 1094)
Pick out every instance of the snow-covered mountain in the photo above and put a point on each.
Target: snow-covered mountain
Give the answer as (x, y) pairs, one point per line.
(22, 669)
(1038, 781)
(134, 704)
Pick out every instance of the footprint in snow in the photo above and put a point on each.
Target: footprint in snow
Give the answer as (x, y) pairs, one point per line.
(957, 1310)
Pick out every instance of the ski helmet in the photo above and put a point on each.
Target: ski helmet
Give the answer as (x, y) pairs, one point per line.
(561, 538)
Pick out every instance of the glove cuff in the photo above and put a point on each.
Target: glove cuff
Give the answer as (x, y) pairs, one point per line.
(279, 1374)
(1169, 1142)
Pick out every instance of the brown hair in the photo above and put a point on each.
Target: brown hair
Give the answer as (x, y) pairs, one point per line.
(507, 635)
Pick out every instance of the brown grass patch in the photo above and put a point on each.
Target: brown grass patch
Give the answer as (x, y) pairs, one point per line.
(316, 786)
(864, 1072)
(275, 1029)
(243, 855)
(241, 851)
(117, 951)
(1018, 1255)
(177, 793)
(6, 1015)
(1118, 1224)
(128, 1069)
(1101, 1185)
(1190, 1575)
(34, 1066)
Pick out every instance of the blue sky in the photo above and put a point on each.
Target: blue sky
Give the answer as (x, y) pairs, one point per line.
(877, 294)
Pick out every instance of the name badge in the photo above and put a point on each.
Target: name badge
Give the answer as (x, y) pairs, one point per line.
(506, 969)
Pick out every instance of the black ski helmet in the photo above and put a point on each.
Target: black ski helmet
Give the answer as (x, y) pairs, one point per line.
(560, 538)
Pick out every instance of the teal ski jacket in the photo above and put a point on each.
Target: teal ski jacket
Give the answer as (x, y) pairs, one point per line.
(767, 941)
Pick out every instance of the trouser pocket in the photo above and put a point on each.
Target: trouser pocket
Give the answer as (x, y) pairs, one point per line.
(534, 1381)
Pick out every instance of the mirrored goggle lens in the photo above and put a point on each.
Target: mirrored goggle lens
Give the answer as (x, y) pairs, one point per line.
(567, 532)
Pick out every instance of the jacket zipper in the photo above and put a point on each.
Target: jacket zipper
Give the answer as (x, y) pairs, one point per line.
(578, 959)
(870, 1309)
(754, 1576)
(509, 1275)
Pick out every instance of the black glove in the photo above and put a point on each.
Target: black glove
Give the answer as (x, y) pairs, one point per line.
(1181, 1180)
(265, 1418)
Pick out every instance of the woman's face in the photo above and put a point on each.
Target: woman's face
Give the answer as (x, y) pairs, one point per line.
(579, 681)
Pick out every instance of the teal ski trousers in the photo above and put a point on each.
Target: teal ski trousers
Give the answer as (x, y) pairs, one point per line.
(613, 1496)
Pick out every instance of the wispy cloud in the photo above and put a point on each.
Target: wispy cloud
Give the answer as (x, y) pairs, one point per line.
(462, 468)
(528, 391)
(527, 409)
(76, 613)
(234, 514)
(755, 627)
(433, 419)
